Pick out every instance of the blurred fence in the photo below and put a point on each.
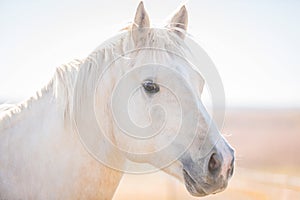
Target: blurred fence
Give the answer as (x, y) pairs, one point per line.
(268, 163)
(246, 184)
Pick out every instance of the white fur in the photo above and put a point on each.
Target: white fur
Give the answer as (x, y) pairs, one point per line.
(41, 156)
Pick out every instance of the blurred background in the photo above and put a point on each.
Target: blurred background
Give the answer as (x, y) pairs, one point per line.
(255, 46)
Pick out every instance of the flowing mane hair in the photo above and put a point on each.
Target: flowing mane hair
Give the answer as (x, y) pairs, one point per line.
(74, 83)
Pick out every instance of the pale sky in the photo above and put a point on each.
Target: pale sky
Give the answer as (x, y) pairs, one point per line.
(254, 44)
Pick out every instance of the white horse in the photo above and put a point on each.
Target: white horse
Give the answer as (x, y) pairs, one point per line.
(42, 156)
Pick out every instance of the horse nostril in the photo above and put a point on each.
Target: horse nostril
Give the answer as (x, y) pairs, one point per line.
(214, 163)
(230, 172)
(231, 169)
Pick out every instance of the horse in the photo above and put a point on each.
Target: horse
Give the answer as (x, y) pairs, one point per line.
(43, 156)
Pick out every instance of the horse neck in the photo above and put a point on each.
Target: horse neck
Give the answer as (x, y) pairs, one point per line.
(101, 179)
(41, 129)
(94, 178)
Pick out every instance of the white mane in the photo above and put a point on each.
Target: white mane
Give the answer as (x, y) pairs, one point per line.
(60, 86)
(86, 72)
(94, 65)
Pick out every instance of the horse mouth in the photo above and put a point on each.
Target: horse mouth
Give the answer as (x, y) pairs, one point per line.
(192, 186)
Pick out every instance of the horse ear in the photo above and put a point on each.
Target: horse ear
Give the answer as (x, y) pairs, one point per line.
(141, 23)
(141, 19)
(180, 21)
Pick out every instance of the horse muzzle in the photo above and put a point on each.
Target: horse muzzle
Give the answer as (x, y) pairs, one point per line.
(211, 175)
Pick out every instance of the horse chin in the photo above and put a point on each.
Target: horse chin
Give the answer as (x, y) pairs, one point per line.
(192, 186)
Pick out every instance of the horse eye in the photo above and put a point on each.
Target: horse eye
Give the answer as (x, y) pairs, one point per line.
(150, 86)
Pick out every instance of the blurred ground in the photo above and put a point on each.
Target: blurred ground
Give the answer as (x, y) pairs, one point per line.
(267, 144)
